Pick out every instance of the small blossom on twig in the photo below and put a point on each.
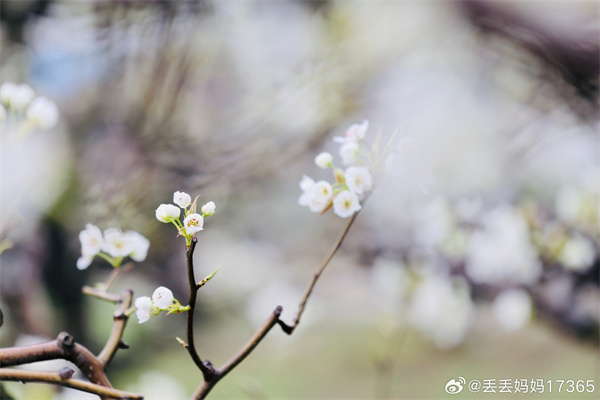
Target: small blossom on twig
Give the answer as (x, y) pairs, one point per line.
(192, 222)
(162, 300)
(358, 179)
(208, 209)
(167, 213)
(345, 204)
(324, 160)
(113, 246)
(182, 199)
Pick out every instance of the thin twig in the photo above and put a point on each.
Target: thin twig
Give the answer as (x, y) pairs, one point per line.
(207, 370)
(116, 273)
(56, 378)
(101, 294)
(217, 374)
(289, 329)
(206, 386)
(114, 341)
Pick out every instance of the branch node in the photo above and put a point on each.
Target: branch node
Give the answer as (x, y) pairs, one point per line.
(285, 327)
(123, 345)
(66, 373)
(66, 341)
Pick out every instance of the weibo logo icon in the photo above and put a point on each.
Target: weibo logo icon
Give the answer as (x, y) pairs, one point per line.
(455, 386)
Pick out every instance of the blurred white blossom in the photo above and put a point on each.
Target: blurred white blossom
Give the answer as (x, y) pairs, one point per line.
(512, 309)
(346, 203)
(502, 251)
(116, 243)
(358, 179)
(324, 160)
(578, 253)
(43, 113)
(441, 309)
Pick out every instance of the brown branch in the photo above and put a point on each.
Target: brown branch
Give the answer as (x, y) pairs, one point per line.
(101, 294)
(207, 369)
(120, 318)
(64, 347)
(207, 385)
(59, 379)
(217, 374)
(289, 329)
(116, 273)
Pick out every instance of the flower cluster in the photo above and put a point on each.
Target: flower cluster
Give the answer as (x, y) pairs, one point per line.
(21, 109)
(351, 185)
(113, 246)
(162, 300)
(192, 222)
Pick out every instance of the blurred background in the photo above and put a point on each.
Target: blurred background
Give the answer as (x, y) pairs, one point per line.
(491, 274)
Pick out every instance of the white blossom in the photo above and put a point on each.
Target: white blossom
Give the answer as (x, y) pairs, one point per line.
(322, 190)
(358, 179)
(441, 310)
(84, 261)
(139, 246)
(306, 185)
(324, 160)
(208, 208)
(43, 113)
(7, 91)
(162, 297)
(182, 199)
(577, 254)
(21, 96)
(144, 303)
(502, 251)
(349, 153)
(145, 309)
(167, 213)
(512, 309)
(317, 204)
(354, 133)
(117, 243)
(345, 204)
(91, 241)
(193, 223)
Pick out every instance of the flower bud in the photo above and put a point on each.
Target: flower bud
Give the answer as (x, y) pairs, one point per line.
(162, 297)
(208, 208)
(167, 213)
(324, 160)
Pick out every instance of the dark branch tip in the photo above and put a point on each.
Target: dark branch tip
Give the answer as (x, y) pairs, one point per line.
(66, 340)
(122, 345)
(66, 373)
(278, 311)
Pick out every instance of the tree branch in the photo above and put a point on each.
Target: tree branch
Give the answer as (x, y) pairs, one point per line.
(59, 379)
(289, 329)
(207, 369)
(207, 385)
(217, 374)
(114, 341)
(64, 347)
